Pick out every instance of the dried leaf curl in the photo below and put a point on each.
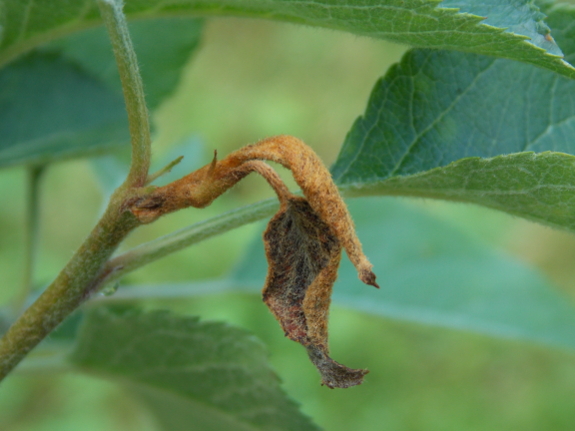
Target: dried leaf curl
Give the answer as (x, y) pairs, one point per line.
(303, 255)
(303, 240)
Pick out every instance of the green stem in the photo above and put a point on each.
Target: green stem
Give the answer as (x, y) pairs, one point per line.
(161, 247)
(176, 241)
(153, 177)
(173, 291)
(32, 232)
(83, 273)
(133, 88)
(73, 286)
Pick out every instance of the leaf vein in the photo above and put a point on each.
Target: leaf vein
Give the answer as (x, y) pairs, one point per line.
(437, 119)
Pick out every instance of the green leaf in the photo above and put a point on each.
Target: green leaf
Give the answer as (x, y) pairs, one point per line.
(436, 108)
(502, 28)
(163, 47)
(539, 187)
(198, 375)
(65, 100)
(432, 273)
(50, 109)
(560, 18)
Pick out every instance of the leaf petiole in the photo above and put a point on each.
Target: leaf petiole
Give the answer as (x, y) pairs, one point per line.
(166, 169)
(133, 89)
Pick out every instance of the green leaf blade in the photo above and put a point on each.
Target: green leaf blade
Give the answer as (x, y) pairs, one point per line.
(50, 109)
(539, 187)
(507, 29)
(435, 112)
(65, 100)
(195, 363)
(436, 107)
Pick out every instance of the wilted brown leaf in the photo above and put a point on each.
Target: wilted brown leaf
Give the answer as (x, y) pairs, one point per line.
(303, 240)
(303, 255)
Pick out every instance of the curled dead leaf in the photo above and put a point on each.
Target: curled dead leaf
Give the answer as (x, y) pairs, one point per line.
(303, 255)
(317, 186)
(303, 240)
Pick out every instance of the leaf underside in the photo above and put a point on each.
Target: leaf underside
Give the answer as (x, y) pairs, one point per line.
(189, 372)
(65, 99)
(503, 28)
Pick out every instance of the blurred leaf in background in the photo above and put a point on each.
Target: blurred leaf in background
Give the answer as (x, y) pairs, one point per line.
(65, 99)
(207, 374)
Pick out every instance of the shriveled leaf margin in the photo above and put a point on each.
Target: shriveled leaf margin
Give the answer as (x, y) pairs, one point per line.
(303, 254)
(197, 363)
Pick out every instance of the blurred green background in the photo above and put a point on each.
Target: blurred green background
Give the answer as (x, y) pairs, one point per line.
(249, 80)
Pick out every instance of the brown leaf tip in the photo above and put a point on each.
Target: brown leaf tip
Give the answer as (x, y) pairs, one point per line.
(334, 374)
(368, 277)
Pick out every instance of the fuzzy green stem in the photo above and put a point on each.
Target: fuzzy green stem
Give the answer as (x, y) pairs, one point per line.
(166, 169)
(138, 118)
(73, 286)
(83, 274)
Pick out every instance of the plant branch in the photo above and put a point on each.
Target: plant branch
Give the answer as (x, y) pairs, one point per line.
(115, 21)
(161, 247)
(80, 277)
(176, 241)
(71, 287)
(153, 177)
